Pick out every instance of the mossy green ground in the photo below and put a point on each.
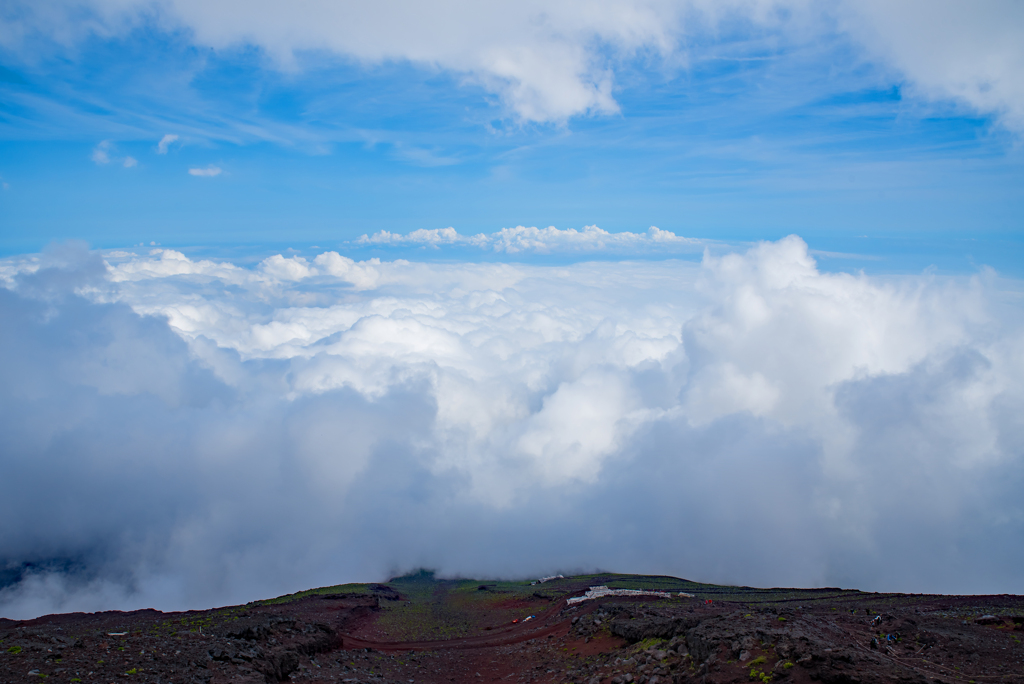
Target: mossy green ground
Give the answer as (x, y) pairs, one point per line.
(449, 609)
(320, 591)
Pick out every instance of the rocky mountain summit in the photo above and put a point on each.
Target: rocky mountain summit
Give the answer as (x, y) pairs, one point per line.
(420, 629)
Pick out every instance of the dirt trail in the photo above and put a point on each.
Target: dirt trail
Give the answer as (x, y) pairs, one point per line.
(538, 628)
(559, 629)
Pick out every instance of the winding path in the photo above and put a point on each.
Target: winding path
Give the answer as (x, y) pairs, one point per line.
(508, 635)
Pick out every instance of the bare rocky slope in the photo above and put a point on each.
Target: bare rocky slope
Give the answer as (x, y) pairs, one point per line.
(419, 629)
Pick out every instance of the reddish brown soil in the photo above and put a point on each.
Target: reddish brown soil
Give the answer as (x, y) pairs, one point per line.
(775, 635)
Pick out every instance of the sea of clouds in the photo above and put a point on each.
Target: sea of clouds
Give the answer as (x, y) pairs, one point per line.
(187, 433)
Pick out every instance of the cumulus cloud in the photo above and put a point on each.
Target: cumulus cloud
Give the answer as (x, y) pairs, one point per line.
(203, 433)
(208, 172)
(165, 143)
(522, 239)
(129, 162)
(549, 61)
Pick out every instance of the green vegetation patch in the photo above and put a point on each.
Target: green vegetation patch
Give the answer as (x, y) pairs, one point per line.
(647, 643)
(429, 612)
(321, 591)
(432, 608)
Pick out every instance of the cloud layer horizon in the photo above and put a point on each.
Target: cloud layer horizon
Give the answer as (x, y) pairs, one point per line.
(185, 433)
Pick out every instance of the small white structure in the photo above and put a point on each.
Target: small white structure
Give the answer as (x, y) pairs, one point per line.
(542, 580)
(602, 591)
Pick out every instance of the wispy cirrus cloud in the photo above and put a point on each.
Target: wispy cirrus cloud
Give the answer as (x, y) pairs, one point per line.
(552, 61)
(104, 153)
(205, 172)
(165, 143)
(101, 153)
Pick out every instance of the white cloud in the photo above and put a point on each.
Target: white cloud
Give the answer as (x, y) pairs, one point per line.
(968, 52)
(208, 172)
(535, 55)
(546, 60)
(433, 237)
(101, 153)
(165, 143)
(314, 420)
(126, 266)
(522, 239)
(549, 61)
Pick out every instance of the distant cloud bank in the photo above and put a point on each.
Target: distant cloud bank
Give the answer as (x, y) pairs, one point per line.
(191, 432)
(540, 240)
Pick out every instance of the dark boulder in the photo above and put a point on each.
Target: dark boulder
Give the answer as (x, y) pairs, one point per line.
(382, 591)
(660, 627)
(249, 632)
(279, 664)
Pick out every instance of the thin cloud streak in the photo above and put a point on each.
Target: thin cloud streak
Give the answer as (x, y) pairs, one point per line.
(208, 172)
(165, 143)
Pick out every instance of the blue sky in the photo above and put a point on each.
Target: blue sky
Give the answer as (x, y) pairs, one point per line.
(742, 130)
